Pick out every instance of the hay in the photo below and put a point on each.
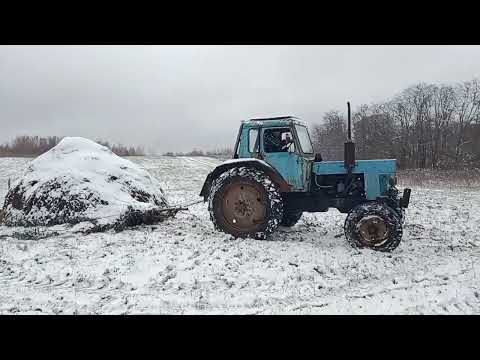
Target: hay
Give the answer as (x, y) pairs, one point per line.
(81, 181)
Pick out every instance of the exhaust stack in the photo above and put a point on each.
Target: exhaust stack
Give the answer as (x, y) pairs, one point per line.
(349, 152)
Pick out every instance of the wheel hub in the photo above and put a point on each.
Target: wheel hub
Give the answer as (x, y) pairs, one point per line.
(243, 206)
(373, 230)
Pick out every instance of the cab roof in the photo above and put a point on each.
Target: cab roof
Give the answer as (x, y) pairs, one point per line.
(274, 121)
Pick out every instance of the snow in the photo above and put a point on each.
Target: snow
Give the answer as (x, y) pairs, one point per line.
(88, 173)
(184, 266)
(234, 161)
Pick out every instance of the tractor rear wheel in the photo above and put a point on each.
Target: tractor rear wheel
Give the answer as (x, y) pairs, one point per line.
(291, 218)
(373, 225)
(244, 202)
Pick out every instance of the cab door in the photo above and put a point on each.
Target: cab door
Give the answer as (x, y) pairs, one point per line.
(283, 155)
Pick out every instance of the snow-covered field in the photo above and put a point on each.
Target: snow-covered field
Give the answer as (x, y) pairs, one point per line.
(183, 266)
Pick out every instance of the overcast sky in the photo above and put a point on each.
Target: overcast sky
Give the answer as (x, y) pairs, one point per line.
(175, 98)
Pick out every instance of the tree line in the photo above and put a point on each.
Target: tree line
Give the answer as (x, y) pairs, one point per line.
(122, 150)
(424, 126)
(224, 152)
(34, 145)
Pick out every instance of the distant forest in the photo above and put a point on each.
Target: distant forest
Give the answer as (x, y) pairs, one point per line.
(34, 145)
(223, 153)
(426, 126)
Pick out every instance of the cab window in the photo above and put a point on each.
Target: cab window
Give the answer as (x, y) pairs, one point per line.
(278, 140)
(304, 139)
(253, 140)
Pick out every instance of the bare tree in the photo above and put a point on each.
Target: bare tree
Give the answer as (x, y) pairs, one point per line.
(329, 136)
(467, 112)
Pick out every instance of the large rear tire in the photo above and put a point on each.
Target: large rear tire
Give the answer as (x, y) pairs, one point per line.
(245, 202)
(373, 225)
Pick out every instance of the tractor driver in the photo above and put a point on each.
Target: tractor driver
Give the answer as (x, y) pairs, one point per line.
(287, 142)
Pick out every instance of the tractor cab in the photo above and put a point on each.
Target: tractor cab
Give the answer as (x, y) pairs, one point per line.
(282, 142)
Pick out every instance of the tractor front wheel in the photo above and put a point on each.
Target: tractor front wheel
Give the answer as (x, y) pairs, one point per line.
(373, 225)
(244, 202)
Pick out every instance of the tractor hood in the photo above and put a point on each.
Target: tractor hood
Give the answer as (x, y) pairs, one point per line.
(388, 166)
(377, 174)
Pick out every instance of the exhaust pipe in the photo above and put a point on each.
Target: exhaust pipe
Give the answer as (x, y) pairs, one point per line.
(349, 122)
(349, 151)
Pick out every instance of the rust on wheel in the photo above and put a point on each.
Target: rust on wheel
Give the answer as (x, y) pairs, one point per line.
(373, 230)
(244, 206)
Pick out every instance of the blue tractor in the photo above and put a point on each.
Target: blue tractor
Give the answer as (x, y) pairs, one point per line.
(275, 176)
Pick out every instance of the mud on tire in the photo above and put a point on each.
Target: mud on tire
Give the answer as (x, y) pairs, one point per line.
(289, 219)
(262, 194)
(373, 225)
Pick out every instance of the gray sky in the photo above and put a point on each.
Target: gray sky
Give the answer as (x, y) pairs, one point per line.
(175, 98)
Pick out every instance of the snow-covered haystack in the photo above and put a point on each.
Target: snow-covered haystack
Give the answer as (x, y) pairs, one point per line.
(81, 181)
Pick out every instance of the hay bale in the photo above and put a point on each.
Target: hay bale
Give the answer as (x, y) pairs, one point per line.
(77, 181)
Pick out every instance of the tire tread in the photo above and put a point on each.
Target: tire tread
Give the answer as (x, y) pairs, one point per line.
(274, 198)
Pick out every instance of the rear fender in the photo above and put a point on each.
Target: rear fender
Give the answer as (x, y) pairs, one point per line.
(276, 177)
